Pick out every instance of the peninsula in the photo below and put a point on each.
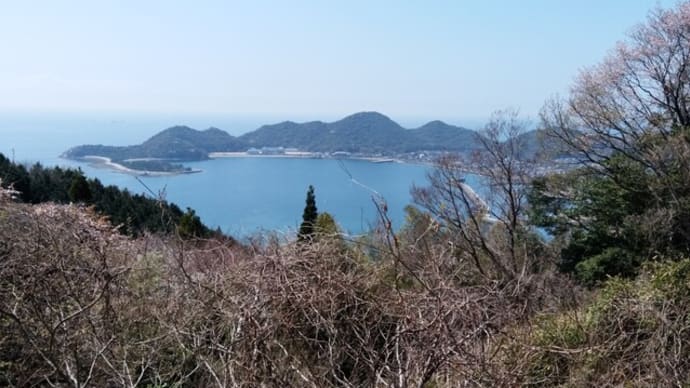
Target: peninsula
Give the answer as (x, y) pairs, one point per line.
(365, 135)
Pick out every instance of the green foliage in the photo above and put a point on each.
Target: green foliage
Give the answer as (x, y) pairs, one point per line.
(79, 189)
(325, 226)
(15, 176)
(560, 332)
(365, 132)
(309, 216)
(671, 281)
(602, 219)
(134, 213)
(176, 143)
(612, 261)
(618, 335)
(417, 224)
(155, 165)
(190, 226)
(628, 128)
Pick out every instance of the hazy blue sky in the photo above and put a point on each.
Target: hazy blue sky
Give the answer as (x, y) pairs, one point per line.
(318, 59)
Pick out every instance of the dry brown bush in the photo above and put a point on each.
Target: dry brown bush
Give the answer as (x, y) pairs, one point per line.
(81, 305)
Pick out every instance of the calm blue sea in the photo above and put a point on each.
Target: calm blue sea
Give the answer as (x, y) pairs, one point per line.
(239, 195)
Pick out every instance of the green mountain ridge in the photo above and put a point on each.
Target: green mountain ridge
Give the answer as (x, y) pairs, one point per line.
(364, 132)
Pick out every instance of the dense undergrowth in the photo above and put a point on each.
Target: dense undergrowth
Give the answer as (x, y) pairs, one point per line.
(630, 333)
(83, 305)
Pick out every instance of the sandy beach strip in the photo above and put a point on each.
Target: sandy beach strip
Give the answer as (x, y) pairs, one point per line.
(102, 161)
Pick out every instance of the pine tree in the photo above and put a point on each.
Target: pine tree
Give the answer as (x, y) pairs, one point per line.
(79, 190)
(190, 225)
(306, 229)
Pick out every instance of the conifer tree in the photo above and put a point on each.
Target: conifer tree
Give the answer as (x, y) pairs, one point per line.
(309, 216)
(190, 225)
(79, 190)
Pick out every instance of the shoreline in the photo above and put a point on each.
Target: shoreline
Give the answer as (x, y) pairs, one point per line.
(107, 163)
(301, 155)
(104, 162)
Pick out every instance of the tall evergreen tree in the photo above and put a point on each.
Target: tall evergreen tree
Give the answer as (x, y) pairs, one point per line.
(79, 189)
(309, 216)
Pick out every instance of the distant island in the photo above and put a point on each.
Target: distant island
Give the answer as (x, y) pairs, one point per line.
(369, 135)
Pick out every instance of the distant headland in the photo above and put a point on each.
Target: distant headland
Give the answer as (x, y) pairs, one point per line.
(367, 135)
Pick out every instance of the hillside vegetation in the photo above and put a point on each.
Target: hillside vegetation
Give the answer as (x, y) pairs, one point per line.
(83, 305)
(134, 214)
(365, 132)
(470, 292)
(80, 304)
(176, 143)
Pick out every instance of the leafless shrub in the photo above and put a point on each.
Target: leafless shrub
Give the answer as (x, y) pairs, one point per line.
(488, 229)
(59, 269)
(81, 305)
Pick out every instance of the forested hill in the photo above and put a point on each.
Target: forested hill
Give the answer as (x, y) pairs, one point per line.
(365, 132)
(178, 143)
(134, 214)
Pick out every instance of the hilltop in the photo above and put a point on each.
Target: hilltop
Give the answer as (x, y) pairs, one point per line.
(364, 132)
(176, 143)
